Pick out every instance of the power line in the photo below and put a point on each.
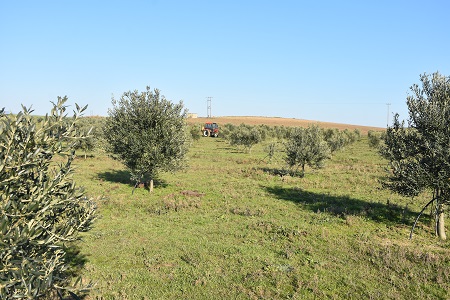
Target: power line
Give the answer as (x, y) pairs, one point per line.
(208, 107)
(387, 122)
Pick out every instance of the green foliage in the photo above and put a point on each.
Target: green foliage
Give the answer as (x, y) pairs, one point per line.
(277, 132)
(226, 130)
(419, 154)
(195, 133)
(147, 133)
(94, 127)
(42, 210)
(246, 136)
(271, 149)
(337, 140)
(306, 146)
(357, 134)
(375, 138)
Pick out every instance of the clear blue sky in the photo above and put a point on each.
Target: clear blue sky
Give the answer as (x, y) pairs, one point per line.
(336, 61)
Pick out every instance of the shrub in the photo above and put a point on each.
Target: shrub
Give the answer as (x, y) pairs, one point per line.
(148, 133)
(42, 210)
(95, 139)
(419, 154)
(246, 136)
(195, 132)
(337, 140)
(375, 138)
(306, 146)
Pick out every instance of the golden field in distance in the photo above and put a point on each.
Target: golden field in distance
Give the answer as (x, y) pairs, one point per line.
(275, 121)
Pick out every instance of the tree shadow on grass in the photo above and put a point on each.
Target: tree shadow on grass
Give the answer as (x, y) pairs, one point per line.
(123, 176)
(282, 172)
(345, 205)
(75, 261)
(116, 176)
(230, 149)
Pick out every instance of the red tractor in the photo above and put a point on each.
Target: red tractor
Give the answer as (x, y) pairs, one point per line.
(210, 129)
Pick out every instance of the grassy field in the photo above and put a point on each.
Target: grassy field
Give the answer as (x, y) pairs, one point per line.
(229, 227)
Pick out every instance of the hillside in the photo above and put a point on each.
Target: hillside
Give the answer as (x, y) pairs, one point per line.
(275, 121)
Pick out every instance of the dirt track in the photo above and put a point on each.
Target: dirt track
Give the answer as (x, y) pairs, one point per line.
(272, 121)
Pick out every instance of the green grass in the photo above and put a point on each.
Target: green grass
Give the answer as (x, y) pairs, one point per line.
(229, 227)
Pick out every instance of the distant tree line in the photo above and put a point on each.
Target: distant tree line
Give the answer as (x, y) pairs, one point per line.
(302, 147)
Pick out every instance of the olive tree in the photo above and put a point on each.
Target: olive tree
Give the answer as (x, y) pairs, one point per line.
(337, 139)
(375, 138)
(148, 133)
(246, 136)
(42, 209)
(195, 132)
(94, 126)
(306, 146)
(419, 153)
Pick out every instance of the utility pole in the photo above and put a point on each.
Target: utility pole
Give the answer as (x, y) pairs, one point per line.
(208, 106)
(387, 122)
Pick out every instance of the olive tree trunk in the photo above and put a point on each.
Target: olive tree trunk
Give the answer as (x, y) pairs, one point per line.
(150, 186)
(440, 226)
